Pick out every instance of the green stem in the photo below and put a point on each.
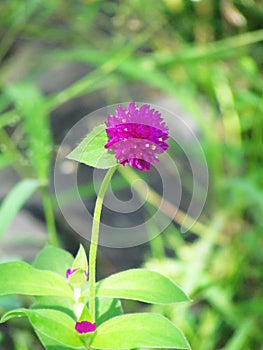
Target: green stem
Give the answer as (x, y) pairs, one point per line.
(49, 216)
(95, 239)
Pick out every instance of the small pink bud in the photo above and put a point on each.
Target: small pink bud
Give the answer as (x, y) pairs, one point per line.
(85, 327)
(70, 272)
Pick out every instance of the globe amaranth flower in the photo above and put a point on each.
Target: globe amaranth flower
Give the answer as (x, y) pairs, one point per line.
(85, 327)
(136, 135)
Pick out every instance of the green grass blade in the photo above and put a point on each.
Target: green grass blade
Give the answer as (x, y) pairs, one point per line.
(14, 201)
(31, 104)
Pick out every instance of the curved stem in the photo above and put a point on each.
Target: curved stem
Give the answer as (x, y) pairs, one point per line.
(95, 239)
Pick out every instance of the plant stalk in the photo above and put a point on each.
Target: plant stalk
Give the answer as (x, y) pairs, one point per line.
(95, 239)
(50, 220)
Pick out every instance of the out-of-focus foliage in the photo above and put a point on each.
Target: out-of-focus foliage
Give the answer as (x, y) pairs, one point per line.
(207, 55)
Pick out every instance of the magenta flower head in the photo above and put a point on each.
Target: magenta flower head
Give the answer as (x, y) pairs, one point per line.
(136, 135)
(85, 327)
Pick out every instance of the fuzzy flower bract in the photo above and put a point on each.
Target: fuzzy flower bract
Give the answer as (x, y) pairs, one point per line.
(136, 135)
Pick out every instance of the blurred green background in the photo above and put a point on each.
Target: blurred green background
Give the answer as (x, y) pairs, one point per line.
(63, 59)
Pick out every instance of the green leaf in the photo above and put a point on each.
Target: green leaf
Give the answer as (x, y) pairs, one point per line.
(138, 330)
(143, 285)
(107, 308)
(14, 201)
(20, 278)
(78, 279)
(86, 315)
(80, 260)
(80, 264)
(55, 324)
(54, 259)
(59, 303)
(51, 344)
(91, 150)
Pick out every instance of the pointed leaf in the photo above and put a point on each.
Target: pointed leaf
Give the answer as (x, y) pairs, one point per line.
(85, 315)
(143, 285)
(55, 324)
(20, 278)
(138, 330)
(80, 260)
(91, 150)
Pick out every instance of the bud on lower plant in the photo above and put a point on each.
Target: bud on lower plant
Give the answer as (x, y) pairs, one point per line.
(77, 275)
(85, 323)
